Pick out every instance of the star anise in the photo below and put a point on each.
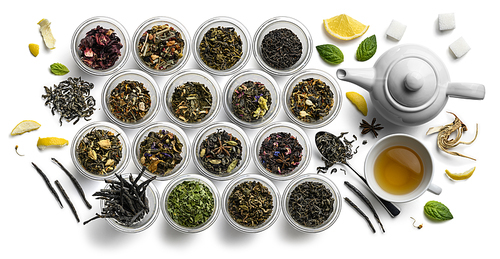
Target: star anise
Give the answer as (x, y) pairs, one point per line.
(367, 127)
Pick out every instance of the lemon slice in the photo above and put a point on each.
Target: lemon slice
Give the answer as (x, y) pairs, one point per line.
(344, 27)
(460, 176)
(34, 49)
(25, 126)
(359, 101)
(46, 32)
(51, 141)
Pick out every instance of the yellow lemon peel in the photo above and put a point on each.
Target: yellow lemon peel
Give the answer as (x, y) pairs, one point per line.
(460, 176)
(51, 141)
(34, 49)
(359, 101)
(25, 126)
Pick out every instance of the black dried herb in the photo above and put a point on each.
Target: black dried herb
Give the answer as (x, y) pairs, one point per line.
(281, 48)
(280, 153)
(160, 152)
(220, 152)
(310, 204)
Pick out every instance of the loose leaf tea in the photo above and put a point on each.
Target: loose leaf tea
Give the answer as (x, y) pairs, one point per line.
(250, 204)
(100, 48)
(333, 149)
(71, 99)
(161, 47)
(310, 204)
(99, 152)
(281, 48)
(311, 100)
(129, 101)
(190, 204)
(221, 48)
(280, 153)
(160, 152)
(220, 152)
(251, 101)
(191, 102)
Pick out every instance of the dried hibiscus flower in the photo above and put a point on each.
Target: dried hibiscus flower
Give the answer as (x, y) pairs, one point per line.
(100, 48)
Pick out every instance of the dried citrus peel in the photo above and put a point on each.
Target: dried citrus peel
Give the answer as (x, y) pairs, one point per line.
(46, 32)
(51, 141)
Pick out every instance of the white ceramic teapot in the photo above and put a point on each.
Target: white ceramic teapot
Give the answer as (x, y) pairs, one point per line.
(409, 85)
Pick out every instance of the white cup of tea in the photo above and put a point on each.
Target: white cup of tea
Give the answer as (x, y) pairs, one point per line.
(399, 168)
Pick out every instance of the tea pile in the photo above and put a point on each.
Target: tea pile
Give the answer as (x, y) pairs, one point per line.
(190, 204)
(160, 152)
(310, 204)
(280, 153)
(100, 48)
(281, 48)
(161, 47)
(99, 152)
(250, 204)
(220, 153)
(221, 48)
(191, 102)
(251, 101)
(311, 100)
(129, 101)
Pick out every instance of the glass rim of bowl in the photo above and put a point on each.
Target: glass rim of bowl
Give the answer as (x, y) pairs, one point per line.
(168, 126)
(242, 62)
(227, 92)
(335, 87)
(155, 108)
(267, 183)
(329, 184)
(216, 105)
(306, 157)
(246, 144)
(179, 27)
(125, 150)
(178, 180)
(119, 64)
(256, 45)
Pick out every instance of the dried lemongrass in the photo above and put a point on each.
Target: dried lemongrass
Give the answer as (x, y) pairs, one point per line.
(443, 140)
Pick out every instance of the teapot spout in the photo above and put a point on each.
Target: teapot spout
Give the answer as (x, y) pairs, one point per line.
(466, 90)
(364, 77)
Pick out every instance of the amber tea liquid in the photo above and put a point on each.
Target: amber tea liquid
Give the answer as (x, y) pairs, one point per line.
(398, 170)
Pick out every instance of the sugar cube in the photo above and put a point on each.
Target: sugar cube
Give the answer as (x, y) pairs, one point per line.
(446, 21)
(396, 30)
(459, 47)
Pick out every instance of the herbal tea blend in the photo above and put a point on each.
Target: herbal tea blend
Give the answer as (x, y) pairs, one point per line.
(333, 149)
(220, 152)
(250, 204)
(160, 152)
(129, 101)
(191, 102)
(251, 101)
(281, 48)
(221, 48)
(99, 152)
(100, 48)
(280, 153)
(190, 204)
(310, 204)
(161, 47)
(311, 100)
(71, 99)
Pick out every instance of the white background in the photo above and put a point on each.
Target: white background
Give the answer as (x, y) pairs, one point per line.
(34, 225)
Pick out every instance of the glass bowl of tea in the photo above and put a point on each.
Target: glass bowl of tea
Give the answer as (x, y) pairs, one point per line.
(130, 99)
(251, 203)
(221, 151)
(312, 98)
(191, 98)
(163, 148)
(100, 150)
(178, 196)
(105, 57)
(222, 46)
(282, 46)
(281, 151)
(161, 46)
(311, 203)
(251, 99)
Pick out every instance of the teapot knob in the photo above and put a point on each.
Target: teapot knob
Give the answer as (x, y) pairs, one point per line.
(414, 81)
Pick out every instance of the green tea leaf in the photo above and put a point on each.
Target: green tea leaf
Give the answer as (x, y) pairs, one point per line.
(330, 53)
(437, 211)
(367, 48)
(58, 69)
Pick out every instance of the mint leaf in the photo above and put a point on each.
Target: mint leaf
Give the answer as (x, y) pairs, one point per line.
(437, 211)
(367, 48)
(330, 53)
(58, 69)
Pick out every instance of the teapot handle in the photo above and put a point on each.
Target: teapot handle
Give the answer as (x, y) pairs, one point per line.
(466, 90)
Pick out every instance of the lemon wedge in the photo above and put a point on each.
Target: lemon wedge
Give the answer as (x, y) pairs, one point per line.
(344, 27)
(359, 101)
(460, 176)
(25, 126)
(34, 49)
(46, 32)
(43, 143)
